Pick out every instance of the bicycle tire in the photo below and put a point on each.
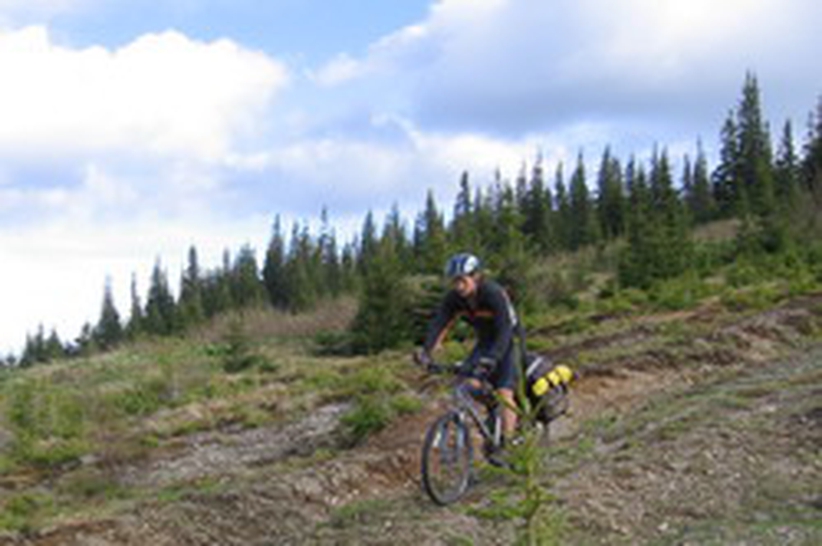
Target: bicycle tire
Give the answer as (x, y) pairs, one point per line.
(447, 459)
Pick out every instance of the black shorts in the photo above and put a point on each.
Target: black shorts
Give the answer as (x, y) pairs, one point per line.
(506, 372)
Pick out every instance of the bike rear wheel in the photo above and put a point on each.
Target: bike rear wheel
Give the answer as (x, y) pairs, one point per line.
(447, 458)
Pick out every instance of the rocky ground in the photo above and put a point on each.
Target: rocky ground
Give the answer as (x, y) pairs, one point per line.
(714, 439)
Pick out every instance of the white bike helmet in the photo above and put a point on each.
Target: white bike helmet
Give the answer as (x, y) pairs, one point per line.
(461, 265)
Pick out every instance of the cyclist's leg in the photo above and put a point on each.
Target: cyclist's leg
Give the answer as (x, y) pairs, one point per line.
(505, 379)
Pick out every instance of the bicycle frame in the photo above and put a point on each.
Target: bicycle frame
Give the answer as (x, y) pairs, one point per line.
(466, 400)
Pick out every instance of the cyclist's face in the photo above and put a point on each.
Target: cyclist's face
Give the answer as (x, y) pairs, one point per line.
(465, 285)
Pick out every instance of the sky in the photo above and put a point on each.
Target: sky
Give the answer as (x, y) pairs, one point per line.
(132, 130)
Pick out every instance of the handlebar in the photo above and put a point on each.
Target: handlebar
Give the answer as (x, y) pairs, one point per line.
(436, 368)
(460, 369)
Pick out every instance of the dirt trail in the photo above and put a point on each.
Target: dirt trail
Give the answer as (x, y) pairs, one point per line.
(270, 485)
(734, 461)
(219, 453)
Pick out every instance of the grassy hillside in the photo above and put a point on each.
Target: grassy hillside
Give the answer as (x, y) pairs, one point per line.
(696, 419)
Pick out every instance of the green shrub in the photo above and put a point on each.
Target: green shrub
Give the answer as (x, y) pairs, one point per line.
(21, 511)
(144, 398)
(757, 298)
(47, 422)
(710, 256)
(677, 294)
(372, 379)
(742, 273)
(527, 501)
(370, 414)
(50, 454)
(237, 355)
(622, 301)
(334, 344)
(405, 404)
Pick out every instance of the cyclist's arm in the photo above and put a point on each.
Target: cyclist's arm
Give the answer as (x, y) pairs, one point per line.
(441, 324)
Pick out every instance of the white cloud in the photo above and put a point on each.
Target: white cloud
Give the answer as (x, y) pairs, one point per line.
(114, 157)
(526, 66)
(54, 272)
(159, 139)
(161, 95)
(341, 69)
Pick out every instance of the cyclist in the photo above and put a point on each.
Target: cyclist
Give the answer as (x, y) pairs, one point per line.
(485, 305)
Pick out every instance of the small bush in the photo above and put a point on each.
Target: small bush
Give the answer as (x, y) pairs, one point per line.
(144, 398)
(679, 293)
(238, 355)
(622, 301)
(21, 511)
(757, 298)
(370, 414)
(334, 344)
(742, 273)
(374, 379)
(404, 404)
(47, 424)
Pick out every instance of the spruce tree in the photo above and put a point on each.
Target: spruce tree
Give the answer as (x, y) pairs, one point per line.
(483, 222)
(510, 256)
(562, 218)
(688, 187)
(109, 330)
(134, 327)
(659, 245)
(464, 232)
(331, 272)
(787, 172)
(216, 292)
(671, 247)
(247, 288)
(727, 183)
(701, 202)
(191, 309)
(85, 345)
(536, 211)
(274, 268)
(368, 243)
(300, 271)
(161, 309)
(34, 351)
(755, 150)
(610, 198)
(54, 348)
(383, 319)
(431, 245)
(812, 161)
(634, 260)
(394, 231)
(348, 268)
(582, 221)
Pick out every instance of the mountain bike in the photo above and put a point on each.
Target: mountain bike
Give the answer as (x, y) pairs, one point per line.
(448, 448)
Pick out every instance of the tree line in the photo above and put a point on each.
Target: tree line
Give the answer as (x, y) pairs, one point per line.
(510, 223)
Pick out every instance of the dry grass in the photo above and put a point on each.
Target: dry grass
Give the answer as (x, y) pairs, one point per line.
(266, 323)
(717, 231)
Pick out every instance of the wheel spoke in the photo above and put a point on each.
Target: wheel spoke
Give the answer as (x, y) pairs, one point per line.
(447, 458)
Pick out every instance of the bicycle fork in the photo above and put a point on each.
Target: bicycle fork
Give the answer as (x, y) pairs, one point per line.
(449, 453)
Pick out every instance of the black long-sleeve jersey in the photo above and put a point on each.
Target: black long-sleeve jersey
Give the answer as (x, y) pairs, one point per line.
(488, 311)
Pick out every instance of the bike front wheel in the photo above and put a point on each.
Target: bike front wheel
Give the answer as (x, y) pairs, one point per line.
(447, 457)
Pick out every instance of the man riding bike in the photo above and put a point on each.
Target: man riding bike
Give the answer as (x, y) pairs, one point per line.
(485, 305)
